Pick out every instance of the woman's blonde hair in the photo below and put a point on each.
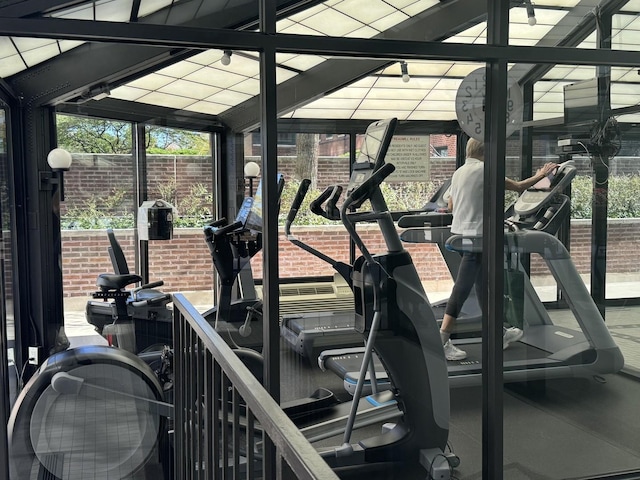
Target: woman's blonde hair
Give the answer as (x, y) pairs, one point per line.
(475, 149)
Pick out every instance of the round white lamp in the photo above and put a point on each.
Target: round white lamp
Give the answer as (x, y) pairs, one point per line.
(59, 160)
(251, 171)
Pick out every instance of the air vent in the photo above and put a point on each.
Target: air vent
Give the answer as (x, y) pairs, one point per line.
(292, 290)
(296, 298)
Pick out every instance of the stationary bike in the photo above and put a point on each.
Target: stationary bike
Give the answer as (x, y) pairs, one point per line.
(141, 311)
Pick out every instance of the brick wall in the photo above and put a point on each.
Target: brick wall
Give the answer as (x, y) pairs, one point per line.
(184, 263)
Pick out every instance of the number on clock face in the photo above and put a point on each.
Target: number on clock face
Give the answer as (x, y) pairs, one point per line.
(470, 106)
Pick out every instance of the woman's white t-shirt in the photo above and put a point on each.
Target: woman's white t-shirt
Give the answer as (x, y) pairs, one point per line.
(467, 185)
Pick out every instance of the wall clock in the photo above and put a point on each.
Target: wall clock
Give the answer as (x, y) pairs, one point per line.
(470, 104)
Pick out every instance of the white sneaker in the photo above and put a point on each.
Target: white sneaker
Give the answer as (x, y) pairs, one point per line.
(451, 352)
(511, 335)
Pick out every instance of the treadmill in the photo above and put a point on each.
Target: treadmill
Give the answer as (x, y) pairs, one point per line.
(546, 350)
(310, 334)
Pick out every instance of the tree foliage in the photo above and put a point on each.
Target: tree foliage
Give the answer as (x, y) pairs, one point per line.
(96, 135)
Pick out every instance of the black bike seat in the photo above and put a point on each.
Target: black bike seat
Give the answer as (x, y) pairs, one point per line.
(116, 282)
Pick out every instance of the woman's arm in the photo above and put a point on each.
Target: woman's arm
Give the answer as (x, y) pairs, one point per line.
(521, 185)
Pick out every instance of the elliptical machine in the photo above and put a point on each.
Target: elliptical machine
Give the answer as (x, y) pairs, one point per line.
(393, 315)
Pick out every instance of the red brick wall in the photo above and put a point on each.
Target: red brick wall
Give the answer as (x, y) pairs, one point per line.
(184, 263)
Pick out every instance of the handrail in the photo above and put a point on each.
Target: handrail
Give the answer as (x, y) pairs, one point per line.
(205, 369)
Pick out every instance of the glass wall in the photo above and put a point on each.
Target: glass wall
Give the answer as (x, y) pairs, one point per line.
(100, 193)
(7, 298)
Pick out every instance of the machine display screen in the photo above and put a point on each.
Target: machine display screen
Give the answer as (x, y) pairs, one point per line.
(254, 218)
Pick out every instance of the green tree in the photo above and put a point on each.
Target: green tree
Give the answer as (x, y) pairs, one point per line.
(93, 135)
(96, 135)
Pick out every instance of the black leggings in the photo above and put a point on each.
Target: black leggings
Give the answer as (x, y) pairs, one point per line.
(469, 274)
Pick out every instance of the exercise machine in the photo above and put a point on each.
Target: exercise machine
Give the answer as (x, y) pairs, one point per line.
(143, 308)
(389, 306)
(238, 313)
(311, 333)
(90, 412)
(546, 350)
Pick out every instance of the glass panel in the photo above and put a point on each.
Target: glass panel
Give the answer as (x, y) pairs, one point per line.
(7, 297)
(99, 194)
(180, 177)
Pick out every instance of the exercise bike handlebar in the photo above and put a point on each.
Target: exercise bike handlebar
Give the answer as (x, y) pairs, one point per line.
(217, 231)
(151, 301)
(316, 205)
(148, 286)
(297, 201)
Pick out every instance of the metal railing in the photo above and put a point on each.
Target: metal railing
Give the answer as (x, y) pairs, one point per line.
(226, 424)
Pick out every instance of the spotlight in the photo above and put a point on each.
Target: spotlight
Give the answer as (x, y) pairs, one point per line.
(226, 58)
(531, 15)
(404, 68)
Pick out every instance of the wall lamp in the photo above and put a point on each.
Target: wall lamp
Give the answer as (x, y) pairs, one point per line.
(60, 161)
(251, 171)
(404, 68)
(226, 57)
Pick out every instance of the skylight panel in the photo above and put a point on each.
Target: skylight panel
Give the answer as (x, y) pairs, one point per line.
(432, 113)
(7, 48)
(153, 81)
(11, 64)
(113, 10)
(228, 97)
(299, 62)
(105, 10)
(25, 43)
(299, 29)
(388, 105)
(335, 103)
(416, 7)
(321, 113)
(66, 45)
(332, 22)
(631, 6)
(442, 94)
(630, 75)
(150, 6)
(80, 12)
(209, 108)
(307, 12)
(396, 93)
(389, 21)
(374, 9)
(189, 89)
(250, 86)
(363, 32)
(350, 93)
(373, 114)
(127, 92)
(215, 77)
(180, 69)
(171, 101)
(283, 75)
(39, 55)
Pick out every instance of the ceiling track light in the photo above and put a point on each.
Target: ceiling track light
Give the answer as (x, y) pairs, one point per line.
(226, 58)
(531, 14)
(404, 68)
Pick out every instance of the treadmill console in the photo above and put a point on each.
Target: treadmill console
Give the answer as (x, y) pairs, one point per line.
(542, 193)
